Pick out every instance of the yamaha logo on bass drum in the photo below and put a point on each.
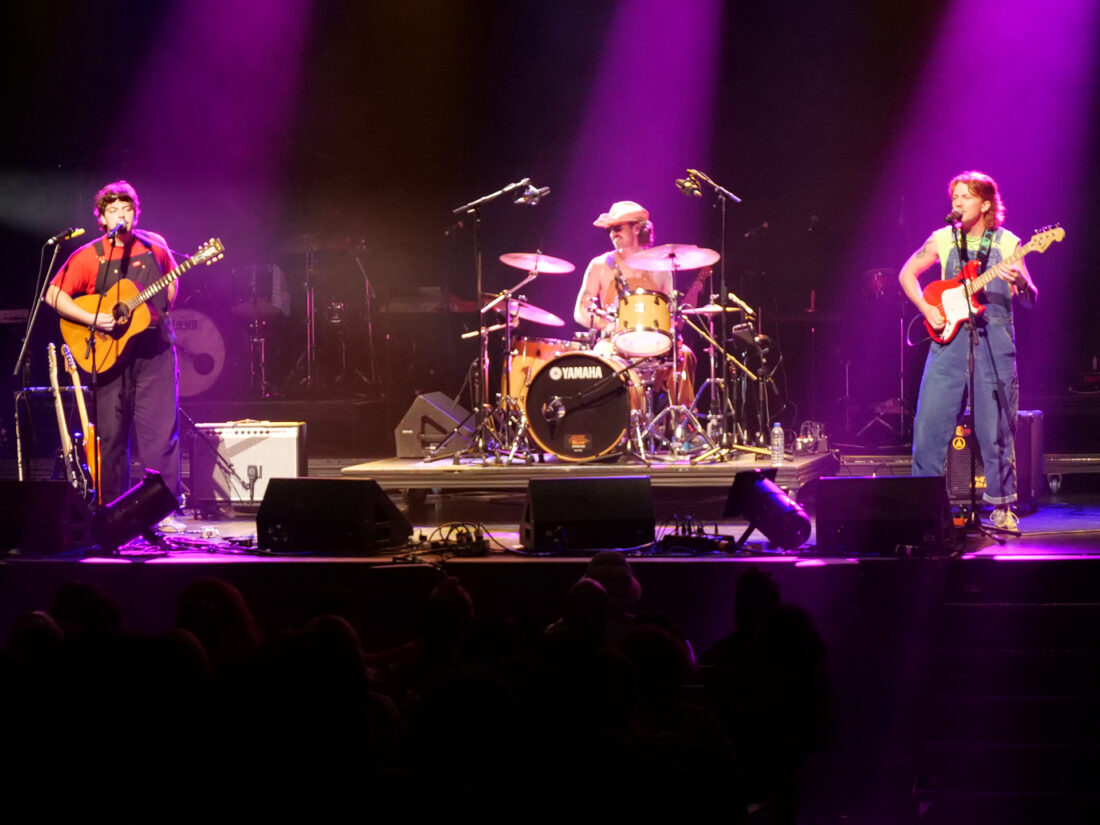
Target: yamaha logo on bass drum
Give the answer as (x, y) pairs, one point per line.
(575, 373)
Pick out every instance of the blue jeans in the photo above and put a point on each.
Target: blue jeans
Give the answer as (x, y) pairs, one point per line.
(941, 402)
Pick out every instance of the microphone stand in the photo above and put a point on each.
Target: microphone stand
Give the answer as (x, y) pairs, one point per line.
(483, 442)
(22, 362)
(724, 197)
(973, 524)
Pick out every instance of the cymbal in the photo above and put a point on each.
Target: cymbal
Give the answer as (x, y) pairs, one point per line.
(672, 256)
(709, 309)
(525, 311)
(536, 261)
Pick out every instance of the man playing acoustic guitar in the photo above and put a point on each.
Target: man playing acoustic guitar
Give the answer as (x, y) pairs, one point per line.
(139, 391)
(975, 236)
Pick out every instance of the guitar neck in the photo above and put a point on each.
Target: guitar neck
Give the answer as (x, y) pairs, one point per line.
(59, 408)
(159, 284)
(980, 281)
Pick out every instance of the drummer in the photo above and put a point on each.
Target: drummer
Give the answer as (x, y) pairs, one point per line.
(631, 231)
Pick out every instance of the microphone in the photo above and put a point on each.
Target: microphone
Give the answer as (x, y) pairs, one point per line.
(753, 232)
(532, 195)
(744, 307)
(119, 227)
(71, 232)
(554, 409)
(955, 217)
(689, 186)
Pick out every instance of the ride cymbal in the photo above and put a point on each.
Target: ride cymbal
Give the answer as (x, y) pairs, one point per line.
(672, 256)
(537, 262)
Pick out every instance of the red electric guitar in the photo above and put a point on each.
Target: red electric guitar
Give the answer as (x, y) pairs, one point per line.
(949, 296)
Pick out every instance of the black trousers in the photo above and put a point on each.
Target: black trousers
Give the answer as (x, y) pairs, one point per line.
(141, 394)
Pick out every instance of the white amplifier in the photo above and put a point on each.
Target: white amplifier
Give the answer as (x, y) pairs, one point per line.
(232, 462)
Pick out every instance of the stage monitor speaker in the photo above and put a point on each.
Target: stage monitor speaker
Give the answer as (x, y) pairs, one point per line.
(430, 419)
(882, 516)
(330, 517)
(568, 515)
(233, 462)
(1029, 462)
(42, 518)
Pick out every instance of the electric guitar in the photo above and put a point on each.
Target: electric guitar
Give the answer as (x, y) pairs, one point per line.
(126, 302)
(949, 296)
(76, 471)
(87, 428)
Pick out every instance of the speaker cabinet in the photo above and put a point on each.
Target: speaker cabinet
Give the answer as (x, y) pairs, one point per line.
(329, 517)
(877, 516)
(42, 518)
(567, 515)
(233, 462)
(430, 419)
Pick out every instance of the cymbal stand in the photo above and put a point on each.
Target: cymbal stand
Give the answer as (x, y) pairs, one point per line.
(724, 448)
(368, 294)
(720, 409)
(680, 417)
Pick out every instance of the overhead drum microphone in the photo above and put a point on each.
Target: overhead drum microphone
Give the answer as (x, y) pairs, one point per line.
(689, 187)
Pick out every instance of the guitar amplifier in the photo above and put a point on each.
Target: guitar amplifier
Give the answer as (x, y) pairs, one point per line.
(1029, 462)
(233, 462)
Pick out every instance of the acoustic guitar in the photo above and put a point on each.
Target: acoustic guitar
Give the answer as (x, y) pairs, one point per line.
(125, 301)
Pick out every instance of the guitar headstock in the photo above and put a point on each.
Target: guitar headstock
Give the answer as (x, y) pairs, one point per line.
(209, 252)
(70, 362)
(1046, 236)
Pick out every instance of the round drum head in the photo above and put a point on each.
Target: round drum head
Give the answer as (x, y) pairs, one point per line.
(200, 349)
(578, 406)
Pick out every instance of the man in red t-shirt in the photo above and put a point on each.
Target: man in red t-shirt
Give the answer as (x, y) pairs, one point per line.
(140, 391)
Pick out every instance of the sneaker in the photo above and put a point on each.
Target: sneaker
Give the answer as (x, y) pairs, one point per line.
(170, 524)
(1004, 518)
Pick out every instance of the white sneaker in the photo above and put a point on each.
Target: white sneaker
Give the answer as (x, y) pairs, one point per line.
(1004, 518)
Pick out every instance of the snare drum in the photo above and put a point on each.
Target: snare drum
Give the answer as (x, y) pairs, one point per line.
(578, 405)
(528, 356)
(644, 327)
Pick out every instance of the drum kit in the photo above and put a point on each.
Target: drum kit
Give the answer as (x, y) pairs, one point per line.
(620, 396)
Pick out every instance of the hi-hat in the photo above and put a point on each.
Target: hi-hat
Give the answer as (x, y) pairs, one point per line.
(525, 311)
(709, 309)
(672, 256)
(537, 262)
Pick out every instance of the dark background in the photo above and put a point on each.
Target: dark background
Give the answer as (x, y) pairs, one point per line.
(296, 126)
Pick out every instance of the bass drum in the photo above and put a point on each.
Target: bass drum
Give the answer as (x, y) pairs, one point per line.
(528, 357)
(200, 350)
(578, 405)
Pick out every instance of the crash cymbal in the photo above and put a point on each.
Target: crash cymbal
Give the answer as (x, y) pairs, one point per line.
(672, 256)
(525, 311)
(709, 309)
(536, 261)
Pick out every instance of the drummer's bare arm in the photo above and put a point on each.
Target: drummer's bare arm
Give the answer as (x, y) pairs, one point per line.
(589, 297)
(663, 279)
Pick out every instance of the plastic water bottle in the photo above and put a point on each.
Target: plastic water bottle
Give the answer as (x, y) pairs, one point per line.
(777, 445)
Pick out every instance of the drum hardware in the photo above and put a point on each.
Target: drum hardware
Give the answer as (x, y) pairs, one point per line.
(672, 256)
(358, 250)
(643, 325)
(497, 431)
